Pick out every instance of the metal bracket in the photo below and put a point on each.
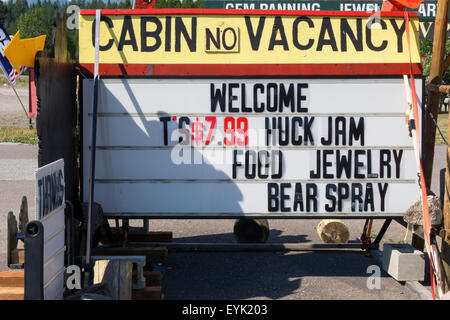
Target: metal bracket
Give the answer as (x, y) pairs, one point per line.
(376, 244)
(34, 254)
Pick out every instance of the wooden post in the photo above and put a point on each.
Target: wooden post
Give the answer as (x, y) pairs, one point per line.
(438, 67)
(445, 249)
(437, 64)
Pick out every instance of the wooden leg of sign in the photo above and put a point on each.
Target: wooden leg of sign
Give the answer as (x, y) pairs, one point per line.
(445, 259)
(376, 243)
(117, 226)
(437, 64)
(11, 241)
(418, 242)
(145, 226)
(437, 69)
(445, 250)
(23, 214)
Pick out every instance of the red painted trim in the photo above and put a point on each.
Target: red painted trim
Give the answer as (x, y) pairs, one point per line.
(252, 69)
(231, 12)
(32, 97)
(113, 69)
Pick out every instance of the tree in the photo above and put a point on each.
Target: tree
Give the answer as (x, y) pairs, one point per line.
(3, 12)
(125, 5)
(426, 49)
(34, 23)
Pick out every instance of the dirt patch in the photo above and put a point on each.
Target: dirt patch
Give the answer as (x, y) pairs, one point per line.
(15, 119)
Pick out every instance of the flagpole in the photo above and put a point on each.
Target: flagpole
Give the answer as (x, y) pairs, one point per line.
(21, 103)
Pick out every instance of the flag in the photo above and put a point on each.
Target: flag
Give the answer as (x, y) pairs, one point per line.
(10, 73)
(144, 4)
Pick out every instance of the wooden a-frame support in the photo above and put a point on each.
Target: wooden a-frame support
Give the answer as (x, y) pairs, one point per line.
(439, 64)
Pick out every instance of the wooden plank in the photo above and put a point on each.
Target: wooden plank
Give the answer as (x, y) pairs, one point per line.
(438, 67)
(117, 274)
(17, 256)
(149, 293)
(11, 279)
(152, 254)
(154, 236)
(253, 247)
(443, 88)
(152, 278)
(12, 293)
(437, 64)
(445, 248)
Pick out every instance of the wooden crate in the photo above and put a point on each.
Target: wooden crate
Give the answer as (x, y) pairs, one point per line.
(12, 285)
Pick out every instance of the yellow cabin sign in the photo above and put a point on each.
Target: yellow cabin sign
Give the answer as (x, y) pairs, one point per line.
(218, 37)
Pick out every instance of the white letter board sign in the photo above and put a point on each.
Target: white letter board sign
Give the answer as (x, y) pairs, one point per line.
(255, 147)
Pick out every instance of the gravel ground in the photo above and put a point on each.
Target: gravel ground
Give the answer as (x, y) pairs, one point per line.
(11, 112)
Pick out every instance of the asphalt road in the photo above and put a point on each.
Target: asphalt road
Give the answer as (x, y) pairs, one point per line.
(236, 275)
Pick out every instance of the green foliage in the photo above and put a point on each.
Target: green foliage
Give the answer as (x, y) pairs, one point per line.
(21, 81)
(179, 4)
(18, 135)
(426, 49)
(36, 22)
(125, 5)
(3, 11)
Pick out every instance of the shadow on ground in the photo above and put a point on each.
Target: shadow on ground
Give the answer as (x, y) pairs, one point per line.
(266, 275)
(275, 236)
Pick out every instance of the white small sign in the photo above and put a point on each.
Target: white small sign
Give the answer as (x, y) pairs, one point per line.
(49, 188)
(50, 205)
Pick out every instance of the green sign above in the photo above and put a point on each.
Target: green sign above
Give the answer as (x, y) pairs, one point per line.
(427, 9)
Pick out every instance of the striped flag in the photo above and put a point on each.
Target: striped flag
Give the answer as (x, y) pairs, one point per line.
(10, 73)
